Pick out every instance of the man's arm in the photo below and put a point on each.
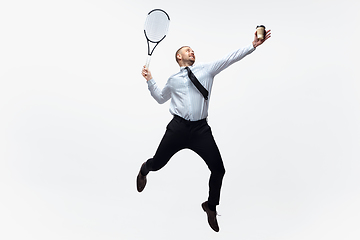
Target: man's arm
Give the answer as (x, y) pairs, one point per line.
(160, 95)
(218, 66)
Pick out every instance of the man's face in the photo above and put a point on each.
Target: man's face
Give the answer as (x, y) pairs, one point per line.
(187, 56)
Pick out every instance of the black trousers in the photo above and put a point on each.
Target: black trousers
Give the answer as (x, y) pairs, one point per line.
(197, 136)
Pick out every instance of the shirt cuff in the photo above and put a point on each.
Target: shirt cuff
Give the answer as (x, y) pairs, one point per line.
(252, 48)
(151, 82)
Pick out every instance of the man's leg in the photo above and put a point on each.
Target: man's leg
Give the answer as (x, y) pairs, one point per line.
(203, 143)
(172, 142)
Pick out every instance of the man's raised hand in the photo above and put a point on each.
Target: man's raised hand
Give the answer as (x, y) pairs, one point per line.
(257, 42)
(146, 73)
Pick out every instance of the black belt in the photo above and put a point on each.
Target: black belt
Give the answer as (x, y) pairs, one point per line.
(189, 121)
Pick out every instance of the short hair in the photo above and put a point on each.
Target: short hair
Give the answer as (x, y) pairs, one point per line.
(177, 52)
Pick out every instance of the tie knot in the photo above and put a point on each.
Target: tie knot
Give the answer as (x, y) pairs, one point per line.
(190, 73)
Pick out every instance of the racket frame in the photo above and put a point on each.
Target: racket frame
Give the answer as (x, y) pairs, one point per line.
(150, 52)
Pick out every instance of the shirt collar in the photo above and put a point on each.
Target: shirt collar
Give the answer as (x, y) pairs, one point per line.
(182, 68)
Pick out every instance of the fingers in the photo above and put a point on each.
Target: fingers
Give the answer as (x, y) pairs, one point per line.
(256, 37)
(268, 34)
(146, 73)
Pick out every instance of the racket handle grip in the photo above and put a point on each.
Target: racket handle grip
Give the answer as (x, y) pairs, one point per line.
(148, 61)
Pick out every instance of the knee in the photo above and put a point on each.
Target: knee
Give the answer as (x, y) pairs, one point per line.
(219, 171)
(222, 171)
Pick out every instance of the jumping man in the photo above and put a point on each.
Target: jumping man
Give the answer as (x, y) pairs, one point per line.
(190, 93)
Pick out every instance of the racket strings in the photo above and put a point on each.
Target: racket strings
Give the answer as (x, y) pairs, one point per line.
(156, 26)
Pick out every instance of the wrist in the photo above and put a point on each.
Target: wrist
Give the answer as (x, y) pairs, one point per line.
(254, 44)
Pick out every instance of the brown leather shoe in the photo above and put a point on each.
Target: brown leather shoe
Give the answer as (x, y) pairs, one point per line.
(140, 180)
(211, 216)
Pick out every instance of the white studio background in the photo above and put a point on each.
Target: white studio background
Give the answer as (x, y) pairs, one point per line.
(77, 121)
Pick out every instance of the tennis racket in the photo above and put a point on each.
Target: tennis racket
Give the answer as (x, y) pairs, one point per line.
(155, 29)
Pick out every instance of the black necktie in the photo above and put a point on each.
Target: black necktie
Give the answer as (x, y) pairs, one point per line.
(197, 84)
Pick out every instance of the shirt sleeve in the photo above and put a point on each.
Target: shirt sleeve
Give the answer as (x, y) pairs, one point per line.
(217, 66)
(160, 95)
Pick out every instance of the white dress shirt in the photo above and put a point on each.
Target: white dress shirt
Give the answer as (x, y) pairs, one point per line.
(186, 100)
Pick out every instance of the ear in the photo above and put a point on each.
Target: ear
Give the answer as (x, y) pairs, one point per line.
(179, 57)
